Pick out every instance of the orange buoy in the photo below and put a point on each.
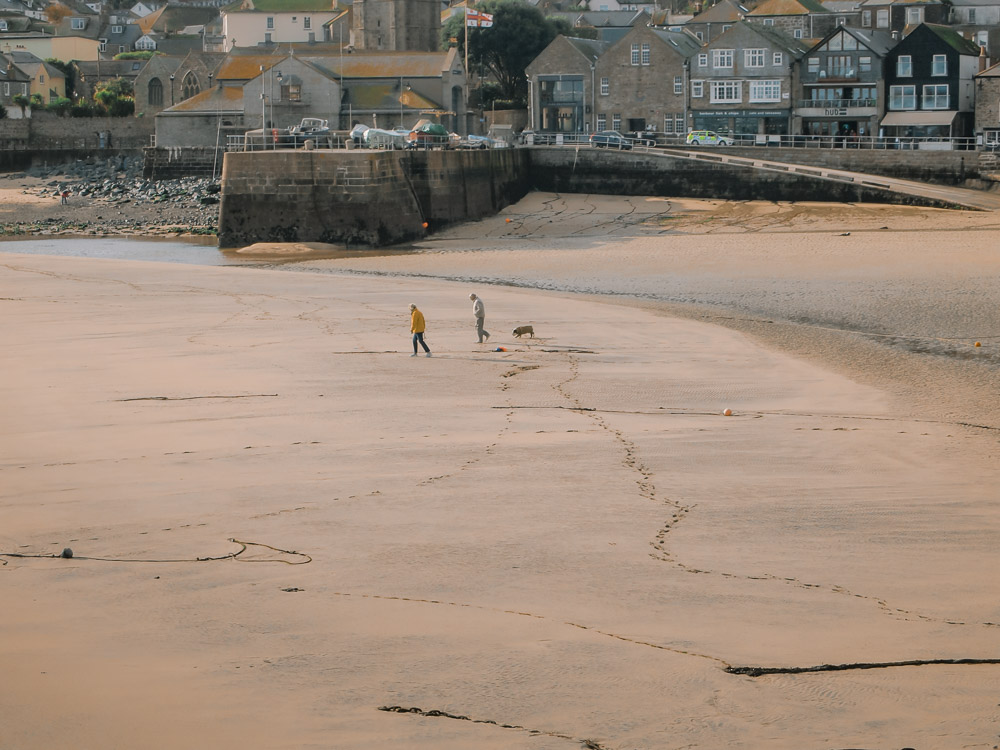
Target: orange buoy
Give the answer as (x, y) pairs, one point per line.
(727, 413)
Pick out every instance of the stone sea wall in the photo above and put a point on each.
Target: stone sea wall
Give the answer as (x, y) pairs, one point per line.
(369, 198)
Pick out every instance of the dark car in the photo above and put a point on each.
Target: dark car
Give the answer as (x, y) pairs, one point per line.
(610, 139)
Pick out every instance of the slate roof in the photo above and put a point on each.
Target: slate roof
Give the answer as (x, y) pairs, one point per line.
(795, 47)
(953, 39)
(280, 6)
(872, 3)
(685, 44)
(724, 11)
(15, 23)
(991, 72)
(601, 18)
(878, 42)
(589, 48)
(385, 97)
(788, 8)
(108, 69)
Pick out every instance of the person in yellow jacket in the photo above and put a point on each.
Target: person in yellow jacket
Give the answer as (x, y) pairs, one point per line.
(417, 328)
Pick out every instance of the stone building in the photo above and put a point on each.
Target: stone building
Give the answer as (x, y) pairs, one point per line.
(279, 90)
(988, 106)
(800, 19)
(743, 82)
(897, 15)
(397, 25)
(561, 85)
(641, 82)
(166, 80)
(716, 19)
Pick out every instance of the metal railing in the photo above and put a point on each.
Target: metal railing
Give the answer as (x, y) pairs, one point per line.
(660, 140)
(835, 103)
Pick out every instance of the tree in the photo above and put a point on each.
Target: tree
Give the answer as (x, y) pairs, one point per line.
(519, 33)
(3, 112)
(57, 12)
(115, 97)
(21, 101)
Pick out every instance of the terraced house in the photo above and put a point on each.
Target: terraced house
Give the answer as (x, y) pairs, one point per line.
(744, 81)
(929, 84)
(641, 81)
(842, 87)
(251, 23)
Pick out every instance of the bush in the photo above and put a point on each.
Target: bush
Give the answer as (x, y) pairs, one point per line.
(83, 108)
(3, 112)
(60, 105)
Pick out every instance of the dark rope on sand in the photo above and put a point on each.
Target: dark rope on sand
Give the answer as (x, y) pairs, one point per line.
(68, 554)
(589, 744)
(761, 671)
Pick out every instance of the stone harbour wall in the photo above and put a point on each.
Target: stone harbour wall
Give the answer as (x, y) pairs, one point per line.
(367, 198)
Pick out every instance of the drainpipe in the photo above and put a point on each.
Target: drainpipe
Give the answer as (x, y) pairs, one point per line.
(593, 97)
(686, 76)
(531, 104)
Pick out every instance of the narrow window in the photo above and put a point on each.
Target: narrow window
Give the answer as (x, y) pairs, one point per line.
(904, 66)
(645, 53)
(678, 85)
(605, 87)
(939, 67)
(635, 54)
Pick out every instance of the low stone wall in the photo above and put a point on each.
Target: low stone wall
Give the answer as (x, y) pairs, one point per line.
(369, 198)
(175, 163)
(636, 173)
(46, 131)
(937, 167)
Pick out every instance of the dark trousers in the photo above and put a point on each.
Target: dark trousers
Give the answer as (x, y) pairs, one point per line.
(419, 337)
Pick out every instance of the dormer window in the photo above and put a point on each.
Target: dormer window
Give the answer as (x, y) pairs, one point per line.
(3, 26)
(117, 29)
(77, 23)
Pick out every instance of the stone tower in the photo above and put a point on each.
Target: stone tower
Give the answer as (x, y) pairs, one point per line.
(397, 25)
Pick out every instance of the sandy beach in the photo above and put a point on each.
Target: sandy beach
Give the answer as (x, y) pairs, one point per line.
(288, 533)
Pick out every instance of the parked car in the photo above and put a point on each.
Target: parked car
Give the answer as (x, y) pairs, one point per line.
(707, 138)
(610, 139)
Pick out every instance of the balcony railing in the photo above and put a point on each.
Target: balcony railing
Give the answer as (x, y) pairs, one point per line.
(835, 103)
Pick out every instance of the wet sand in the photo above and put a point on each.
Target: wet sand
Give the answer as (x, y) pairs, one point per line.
(560, 544)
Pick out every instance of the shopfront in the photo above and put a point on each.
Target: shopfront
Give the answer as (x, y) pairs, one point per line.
(742, 122)
(846, 110)
(919, 124)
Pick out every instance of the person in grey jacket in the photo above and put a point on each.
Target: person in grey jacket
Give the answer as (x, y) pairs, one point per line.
(479, 310)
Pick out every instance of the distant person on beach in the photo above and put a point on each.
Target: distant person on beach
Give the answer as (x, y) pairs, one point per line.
(417, 327)
(479, 311)
(65, 197)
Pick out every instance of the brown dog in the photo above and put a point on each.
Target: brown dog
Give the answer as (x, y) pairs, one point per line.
(523, 330)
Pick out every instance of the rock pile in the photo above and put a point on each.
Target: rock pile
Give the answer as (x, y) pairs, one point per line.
(133, 203)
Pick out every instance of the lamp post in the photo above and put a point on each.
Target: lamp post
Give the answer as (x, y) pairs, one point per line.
(171, 89)
(263, 103)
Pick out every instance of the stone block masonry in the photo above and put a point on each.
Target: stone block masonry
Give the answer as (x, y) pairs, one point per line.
(362, 198)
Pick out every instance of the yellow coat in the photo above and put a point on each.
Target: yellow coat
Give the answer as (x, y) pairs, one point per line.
(417, 322)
